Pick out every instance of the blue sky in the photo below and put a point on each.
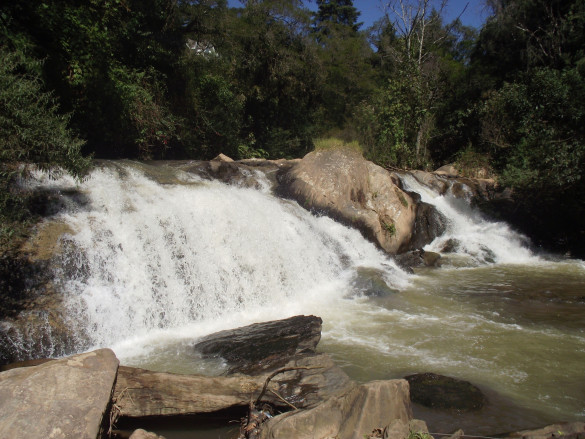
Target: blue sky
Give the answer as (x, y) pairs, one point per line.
(474, 14)
(371, 10)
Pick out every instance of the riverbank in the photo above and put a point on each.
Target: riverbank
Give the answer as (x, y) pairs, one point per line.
(307, 398)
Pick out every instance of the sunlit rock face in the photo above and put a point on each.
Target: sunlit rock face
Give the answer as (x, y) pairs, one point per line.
(342, 184)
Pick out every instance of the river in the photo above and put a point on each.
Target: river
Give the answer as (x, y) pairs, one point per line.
(160, 257)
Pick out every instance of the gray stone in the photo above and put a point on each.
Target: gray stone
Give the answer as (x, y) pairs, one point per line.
(317, 379)
(418, 426)
(457, 435)
(351, 416)
(60, 399)
(429, 224)
(257, 348)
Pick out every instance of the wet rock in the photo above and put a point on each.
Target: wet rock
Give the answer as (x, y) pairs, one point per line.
(570, 430)
(442, 392)
(263, 346)
(345, 186)
(33, 321)
(428, 225)
(410, 260)
(350, 416)
(450, 246)
(431, 259)
(61, 399)
(225, 169)
(370, 283)
(460, 190)
(435, 182)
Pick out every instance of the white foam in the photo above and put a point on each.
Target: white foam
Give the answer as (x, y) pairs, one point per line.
(481, 240)
(151, 262)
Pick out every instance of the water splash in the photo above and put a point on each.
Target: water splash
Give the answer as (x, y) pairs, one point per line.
(468, 234)
(148, 259)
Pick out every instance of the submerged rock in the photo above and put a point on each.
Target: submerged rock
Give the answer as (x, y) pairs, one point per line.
(429, 224)
(60, 399)
(417, 259)
(345, 186)
(443, 392)
(260, 347)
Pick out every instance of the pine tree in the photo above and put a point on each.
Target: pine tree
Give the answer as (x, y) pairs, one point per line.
(335, 13)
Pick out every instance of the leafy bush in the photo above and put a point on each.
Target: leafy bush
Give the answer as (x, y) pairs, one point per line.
(32, 133)
(388, 123)
(535, 129)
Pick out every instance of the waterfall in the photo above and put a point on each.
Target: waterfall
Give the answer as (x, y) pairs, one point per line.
(469, 236)
(150, 261)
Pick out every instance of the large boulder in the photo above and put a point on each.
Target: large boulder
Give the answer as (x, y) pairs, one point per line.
(259, 347)
(345, 186)
(443, 392)
(60, 399)
(352, 415)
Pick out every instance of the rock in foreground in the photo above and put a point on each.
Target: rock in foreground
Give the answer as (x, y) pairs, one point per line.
(60, 399)
(354, 415)
(259, 347)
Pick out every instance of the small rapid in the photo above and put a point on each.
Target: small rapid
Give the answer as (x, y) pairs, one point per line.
(468, 234)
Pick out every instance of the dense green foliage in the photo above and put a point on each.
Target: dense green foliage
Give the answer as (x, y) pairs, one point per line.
(190, 79)
(32, 131)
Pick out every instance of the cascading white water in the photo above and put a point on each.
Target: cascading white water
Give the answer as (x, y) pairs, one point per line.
(471, 235)
(150, 267)
(152, 262)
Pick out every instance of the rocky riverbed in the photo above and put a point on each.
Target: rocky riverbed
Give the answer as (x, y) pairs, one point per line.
(290, 389)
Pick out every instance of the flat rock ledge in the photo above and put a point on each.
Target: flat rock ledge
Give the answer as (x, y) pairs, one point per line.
(259, 347)
(60, 399)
